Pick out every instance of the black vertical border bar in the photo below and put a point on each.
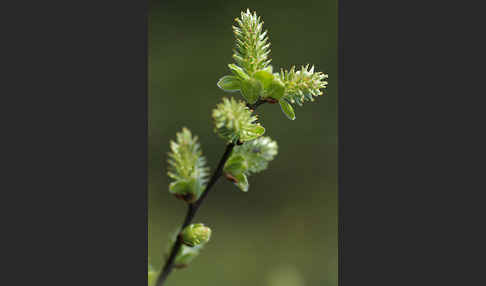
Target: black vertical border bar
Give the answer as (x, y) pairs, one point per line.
(84, 145)
(408, 181)
(146, 7)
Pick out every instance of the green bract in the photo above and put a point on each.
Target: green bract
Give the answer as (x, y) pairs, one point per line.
(236, 167)
(236, 164)
(273, 87)
(251, 157)
(186, 255)
(234, 121)
(187, 167)
(195, 234)
(238, 72)
(251, 89)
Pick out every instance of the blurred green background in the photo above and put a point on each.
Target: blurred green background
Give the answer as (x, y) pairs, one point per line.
(284, 231)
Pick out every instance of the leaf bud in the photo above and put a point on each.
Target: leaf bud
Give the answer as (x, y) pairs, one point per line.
(195, 234)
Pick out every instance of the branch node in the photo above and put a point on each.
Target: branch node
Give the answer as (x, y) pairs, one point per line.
(186, 197)
(231, 178)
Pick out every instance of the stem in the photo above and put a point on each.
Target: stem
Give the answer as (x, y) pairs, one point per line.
(259, 102)
(193, 207)
(191, 212)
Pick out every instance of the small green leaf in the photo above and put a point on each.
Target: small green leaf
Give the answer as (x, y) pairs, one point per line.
(276, 89)
(239, 72)
(272, 85)
(287, 109)
(236, 165)
(188, 190)
(229, 83)
(180, 187)
(186, 255)
(252, 132)
(251, 90)
(265, 77)
(242, 183)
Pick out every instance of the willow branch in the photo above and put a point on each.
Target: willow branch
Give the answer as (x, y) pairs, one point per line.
(193, 207)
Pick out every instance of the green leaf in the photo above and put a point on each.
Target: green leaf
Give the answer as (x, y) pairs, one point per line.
(252, 132)
(265, 77)
(251, 90)
(239, 72)
(272, 85)
(236, 165)
(287, 109)
(276, 89)
(251, 157)
(242, 182)
(180, 187)
(229, 83)
(186, 254)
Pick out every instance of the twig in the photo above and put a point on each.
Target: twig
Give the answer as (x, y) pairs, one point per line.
(259, 102)
(193, 207)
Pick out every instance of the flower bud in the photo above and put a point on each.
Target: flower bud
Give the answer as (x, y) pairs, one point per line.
(195, 234)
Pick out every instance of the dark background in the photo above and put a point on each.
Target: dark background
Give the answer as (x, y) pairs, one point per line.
(286, 226)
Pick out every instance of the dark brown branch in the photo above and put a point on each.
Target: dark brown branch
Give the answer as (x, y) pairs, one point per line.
(259, 102)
